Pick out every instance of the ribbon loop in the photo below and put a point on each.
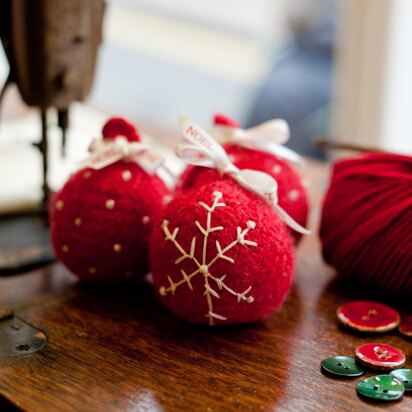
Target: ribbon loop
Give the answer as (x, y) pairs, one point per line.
(203, 150)
(104, 152)
(276, 131)
(194, 155)
(206, 146)
(268, 136)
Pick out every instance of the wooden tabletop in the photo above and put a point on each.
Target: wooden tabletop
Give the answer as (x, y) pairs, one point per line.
(117, 349)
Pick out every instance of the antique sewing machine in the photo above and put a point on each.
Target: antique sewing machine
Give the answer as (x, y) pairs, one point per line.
(51, 47)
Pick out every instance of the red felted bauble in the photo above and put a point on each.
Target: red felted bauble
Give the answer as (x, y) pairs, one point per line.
(366, 222)
(101, 221)
(291, 192)
(219, 255)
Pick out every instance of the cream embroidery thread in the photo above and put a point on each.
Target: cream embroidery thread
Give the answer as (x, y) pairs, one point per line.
(203, 267)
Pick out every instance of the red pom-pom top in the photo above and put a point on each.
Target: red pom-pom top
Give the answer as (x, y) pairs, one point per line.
(222, 120)
(116, 126)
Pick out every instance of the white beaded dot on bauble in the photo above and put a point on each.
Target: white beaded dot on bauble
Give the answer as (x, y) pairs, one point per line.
(59, 205)
(126, 175)
(110, 204)
(293, 195)
(277, 169)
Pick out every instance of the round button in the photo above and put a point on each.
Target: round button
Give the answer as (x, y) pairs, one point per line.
(380, 356)
(382, 387)
(344, 366)
(406, 327)
(405, 376)
(366, 316)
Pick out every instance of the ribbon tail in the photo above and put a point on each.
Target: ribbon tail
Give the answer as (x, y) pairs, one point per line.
(285, 217)
(149, 161)
(99, 161)
(194, 155)
(285, 153)
(266, 186)
(82, 163)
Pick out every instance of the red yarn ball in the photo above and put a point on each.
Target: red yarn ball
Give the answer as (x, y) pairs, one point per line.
(291, 192)
(246, 281)
(367, 219)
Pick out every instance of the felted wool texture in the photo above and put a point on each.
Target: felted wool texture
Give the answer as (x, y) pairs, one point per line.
(220, 119)
(107, 243)
(367, 219)
(266, 268)
(291, 192)
(117, 126)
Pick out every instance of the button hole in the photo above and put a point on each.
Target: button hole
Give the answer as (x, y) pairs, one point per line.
(376, 387)
(347, 367)
(339, 364)
(78, 39)
(22, 347)
(385, 391)
(405, 381)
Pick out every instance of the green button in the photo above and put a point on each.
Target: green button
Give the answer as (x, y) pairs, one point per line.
(382, 387)
(405, 376)
(344, 366)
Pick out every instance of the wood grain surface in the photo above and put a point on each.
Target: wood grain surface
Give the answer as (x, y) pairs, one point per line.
(117, 349)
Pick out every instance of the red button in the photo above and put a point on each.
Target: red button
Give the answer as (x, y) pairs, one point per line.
(368, 316)
(406, 327)
(380, 356)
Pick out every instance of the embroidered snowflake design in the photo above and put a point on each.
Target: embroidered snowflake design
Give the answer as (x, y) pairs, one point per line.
(213, 285)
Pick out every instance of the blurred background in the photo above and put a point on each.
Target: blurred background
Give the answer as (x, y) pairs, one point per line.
(333, 69)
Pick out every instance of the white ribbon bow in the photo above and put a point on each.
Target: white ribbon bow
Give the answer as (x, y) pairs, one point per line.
(104, 152)
(202, 150)
(268, 136)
